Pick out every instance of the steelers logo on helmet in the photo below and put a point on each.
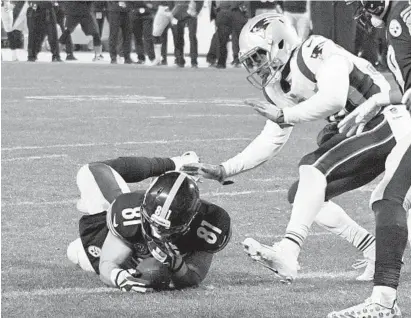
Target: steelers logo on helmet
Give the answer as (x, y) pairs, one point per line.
(395, 28)
(169, 206)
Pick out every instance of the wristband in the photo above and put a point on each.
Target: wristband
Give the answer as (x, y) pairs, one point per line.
(115, 273)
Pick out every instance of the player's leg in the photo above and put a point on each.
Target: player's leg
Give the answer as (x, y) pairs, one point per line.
(390, 202)
(337, 158)
(99, 185)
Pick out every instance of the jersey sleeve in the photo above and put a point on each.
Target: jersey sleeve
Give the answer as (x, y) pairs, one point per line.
(265, 146)
(136, 169)
(210, 231)
(124, 217)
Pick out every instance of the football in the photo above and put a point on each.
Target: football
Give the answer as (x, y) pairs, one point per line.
(155, 272)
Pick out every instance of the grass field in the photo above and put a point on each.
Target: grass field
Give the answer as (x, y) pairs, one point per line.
(56, 118)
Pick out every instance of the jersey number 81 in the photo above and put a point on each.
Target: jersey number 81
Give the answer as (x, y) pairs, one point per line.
(208, 232)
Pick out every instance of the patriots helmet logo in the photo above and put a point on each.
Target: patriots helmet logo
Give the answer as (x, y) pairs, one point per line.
(261, 26)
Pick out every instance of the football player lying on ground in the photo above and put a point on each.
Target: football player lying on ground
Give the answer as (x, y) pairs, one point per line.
(304, 82)
(143, 240)
(391, 199)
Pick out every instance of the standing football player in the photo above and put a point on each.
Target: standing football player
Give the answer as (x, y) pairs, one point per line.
(391, 199)
(303, 82)
(144, 240)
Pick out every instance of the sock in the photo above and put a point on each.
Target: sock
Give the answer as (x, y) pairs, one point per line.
(391, 239)
(384, 295)
(157, 51)
(307, 203)
(334, 219)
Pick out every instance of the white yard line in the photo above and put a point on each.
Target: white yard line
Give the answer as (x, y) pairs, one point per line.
(34, 157)
(99, 290)
(122, 143)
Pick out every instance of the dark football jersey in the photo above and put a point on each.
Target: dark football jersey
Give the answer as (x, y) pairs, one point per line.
(399, 45)
(210, 230)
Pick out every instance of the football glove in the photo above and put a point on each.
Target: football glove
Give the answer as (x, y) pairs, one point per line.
(129, 280)
(207, 171)
(354, 123)
(166, 253)
(267, 110)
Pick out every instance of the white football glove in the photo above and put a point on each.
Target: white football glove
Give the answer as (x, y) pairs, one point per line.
(355, 122)
(128, 280)
(207, 171)
(267, 110)
(406, 17)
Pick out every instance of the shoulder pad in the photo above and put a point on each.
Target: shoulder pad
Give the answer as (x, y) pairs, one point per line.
(210, 231)
(124, 218)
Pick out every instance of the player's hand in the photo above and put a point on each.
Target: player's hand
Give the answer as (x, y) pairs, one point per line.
(166, 253)
(354, 123)
(267, 110)
(406, 99)
(207, 171)
(406, 17)
(129, 280)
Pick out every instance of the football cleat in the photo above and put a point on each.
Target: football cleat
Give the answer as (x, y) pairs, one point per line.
(368, 309)
(274, 258)
(185, 158)
(368, 274)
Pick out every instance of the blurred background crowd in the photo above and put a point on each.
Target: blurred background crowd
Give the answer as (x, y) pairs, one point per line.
(146, 32)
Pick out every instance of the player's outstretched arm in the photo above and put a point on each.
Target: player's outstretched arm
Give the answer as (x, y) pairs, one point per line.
(265, 146)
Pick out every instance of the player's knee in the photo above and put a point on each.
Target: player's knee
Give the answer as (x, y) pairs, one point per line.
(73, 251)
(156, 273)
(292, 191)
(77, 255)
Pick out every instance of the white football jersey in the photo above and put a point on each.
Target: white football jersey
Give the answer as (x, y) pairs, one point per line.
(308, 62)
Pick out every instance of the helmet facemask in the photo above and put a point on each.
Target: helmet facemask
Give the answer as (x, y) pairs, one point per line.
(262, 67)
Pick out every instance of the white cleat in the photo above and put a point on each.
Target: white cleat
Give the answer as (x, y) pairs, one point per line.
(185, 158)
(368, 274)
(368, 308)
(274, 258)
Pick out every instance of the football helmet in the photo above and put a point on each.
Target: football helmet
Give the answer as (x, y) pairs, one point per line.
(170, 204)
(266, 45)
(370, 14)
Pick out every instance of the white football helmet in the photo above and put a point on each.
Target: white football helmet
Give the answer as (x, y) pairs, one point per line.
(266, 44)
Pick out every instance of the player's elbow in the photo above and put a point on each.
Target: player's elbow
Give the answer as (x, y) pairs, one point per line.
(191, 279)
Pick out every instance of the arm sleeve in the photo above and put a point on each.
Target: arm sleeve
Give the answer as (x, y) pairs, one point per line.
(263, 147)
(193, 271)
(113, 254)
(333, 85)
(136, 169)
